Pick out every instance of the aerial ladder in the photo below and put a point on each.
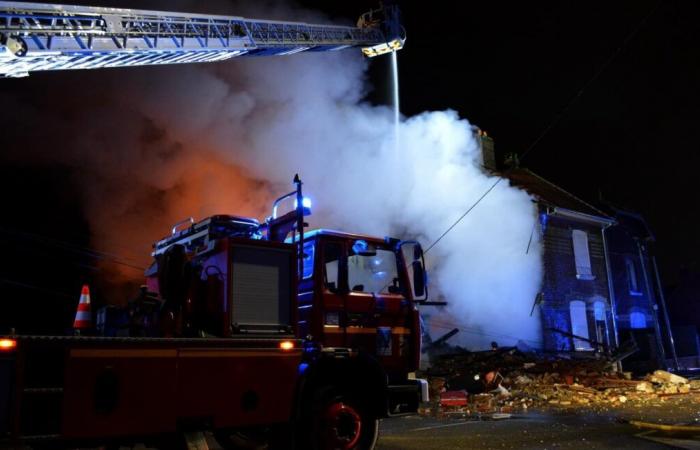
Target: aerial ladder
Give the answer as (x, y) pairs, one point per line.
(41, 36)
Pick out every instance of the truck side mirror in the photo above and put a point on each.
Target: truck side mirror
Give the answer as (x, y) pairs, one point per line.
(417, 252)
(418, 279)
(412, 254)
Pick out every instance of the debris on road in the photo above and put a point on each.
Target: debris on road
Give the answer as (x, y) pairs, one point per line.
(505, 380)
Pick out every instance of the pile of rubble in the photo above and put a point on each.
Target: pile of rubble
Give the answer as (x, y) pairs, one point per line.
(504, 381)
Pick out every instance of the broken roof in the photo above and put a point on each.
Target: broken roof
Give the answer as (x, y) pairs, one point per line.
(549, 193)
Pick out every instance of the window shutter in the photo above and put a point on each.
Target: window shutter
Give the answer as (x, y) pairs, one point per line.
(579, 324)
(581, 255)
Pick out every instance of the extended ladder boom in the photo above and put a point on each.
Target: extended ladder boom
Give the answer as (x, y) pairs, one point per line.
(39, 36)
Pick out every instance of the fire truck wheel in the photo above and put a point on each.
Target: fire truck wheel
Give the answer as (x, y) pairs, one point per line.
(340, 421)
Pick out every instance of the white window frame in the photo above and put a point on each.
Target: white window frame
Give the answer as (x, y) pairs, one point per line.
(578, 312)
(632, 280)
(582, 256)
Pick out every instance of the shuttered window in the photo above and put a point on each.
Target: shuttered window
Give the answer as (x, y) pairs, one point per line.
(579, 325)
(582, 255)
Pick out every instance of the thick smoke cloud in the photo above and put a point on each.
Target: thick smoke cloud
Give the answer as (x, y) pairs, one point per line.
(161, 144)
(304, 113)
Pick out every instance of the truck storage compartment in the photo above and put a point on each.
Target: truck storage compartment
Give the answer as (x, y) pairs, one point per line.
(39, 386)
(261, 288)
(112, 391)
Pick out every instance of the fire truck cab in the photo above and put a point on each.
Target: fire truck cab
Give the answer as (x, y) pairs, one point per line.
(358, 293)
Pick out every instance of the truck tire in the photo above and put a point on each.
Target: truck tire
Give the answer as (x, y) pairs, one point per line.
(338, 420)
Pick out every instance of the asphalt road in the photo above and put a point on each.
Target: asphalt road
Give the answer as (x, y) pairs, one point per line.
(529, 431)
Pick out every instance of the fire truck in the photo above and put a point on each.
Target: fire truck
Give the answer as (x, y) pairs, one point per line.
(259, 329)
(243, 328)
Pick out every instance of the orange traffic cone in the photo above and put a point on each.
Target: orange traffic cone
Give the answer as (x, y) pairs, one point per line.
(83, 317)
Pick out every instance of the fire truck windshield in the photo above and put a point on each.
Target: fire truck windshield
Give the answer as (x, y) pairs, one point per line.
(372, 273)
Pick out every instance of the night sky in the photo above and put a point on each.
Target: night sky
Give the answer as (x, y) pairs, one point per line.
(509, 67)
(512, 68)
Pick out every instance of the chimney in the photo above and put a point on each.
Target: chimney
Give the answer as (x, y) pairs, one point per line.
(488, 151)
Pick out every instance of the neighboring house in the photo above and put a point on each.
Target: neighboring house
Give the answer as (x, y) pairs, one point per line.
(684, 305)
(638, 295)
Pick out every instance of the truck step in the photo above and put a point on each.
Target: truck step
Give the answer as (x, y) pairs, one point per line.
(39, 437)
(403, 399)
(397, 388)
(43, 390)
(41, 411)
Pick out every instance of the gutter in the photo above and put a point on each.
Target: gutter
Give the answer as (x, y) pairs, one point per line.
(611, 288)
(581, 217)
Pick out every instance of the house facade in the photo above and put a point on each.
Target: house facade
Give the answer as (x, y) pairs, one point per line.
(575, 304)
(684, 309)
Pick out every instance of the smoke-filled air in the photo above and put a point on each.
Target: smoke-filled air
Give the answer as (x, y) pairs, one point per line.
(162, 144)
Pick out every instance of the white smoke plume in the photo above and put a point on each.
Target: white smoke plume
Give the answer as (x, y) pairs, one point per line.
(161, 144)
(304, 113)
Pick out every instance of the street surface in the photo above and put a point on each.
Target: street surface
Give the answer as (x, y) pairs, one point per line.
(571, 428)
(538, 430)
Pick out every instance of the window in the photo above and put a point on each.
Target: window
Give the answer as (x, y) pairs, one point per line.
(331, 262)
(600, 325)
(638, 320)
(632, 277)
(581, 255)
(309, 259)
(579, 324)
(599, 311)
(372, 273)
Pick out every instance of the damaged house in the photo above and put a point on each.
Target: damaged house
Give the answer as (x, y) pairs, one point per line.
(575, 302)
(590, 295)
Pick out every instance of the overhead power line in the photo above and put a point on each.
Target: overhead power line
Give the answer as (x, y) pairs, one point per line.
(558, 117)
(35, 288)
(86, 251)
(446, 324)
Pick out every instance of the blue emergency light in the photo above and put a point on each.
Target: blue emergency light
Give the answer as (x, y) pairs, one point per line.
(305, 202)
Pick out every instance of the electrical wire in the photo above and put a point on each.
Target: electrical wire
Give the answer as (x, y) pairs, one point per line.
(488, 191)
(446, 324)
(34, 288)
(559, 116)
(85, 251)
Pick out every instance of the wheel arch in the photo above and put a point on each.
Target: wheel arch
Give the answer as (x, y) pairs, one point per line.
(361, 374)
